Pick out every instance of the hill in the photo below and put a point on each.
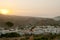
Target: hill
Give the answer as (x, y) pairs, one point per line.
(57, 18)
(25, 20)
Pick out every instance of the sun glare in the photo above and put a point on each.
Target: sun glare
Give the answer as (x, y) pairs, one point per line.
(4, 11)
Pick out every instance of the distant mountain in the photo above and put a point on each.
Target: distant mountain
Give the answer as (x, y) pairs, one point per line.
(25, 20)
(57, 18)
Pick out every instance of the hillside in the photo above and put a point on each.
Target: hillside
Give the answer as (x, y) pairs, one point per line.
(57, 18)
(25, 20)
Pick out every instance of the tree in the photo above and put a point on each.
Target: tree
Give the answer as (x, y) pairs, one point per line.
(13, 34)
(10, 24)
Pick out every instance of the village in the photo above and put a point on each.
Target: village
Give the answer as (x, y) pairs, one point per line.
(36, 30)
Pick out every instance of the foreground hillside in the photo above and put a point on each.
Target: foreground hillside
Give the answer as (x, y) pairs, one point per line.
(24, 20)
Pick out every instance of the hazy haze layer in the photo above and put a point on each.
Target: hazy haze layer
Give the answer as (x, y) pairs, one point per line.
(39, 8)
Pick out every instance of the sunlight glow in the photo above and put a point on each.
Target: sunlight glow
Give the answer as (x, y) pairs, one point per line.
(4, 11)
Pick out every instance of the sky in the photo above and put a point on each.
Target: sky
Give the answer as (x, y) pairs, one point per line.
(37, 8)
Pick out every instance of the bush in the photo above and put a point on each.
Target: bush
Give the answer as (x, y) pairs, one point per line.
(13, 34)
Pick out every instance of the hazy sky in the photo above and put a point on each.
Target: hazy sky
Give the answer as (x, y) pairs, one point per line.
(39, 8)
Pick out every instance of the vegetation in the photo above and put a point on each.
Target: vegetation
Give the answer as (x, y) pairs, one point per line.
(34, 37)
(13, 34)
(9, 24)
(46, 37)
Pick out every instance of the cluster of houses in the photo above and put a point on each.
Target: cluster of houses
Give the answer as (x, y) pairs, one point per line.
(36, 30)
(46, 29)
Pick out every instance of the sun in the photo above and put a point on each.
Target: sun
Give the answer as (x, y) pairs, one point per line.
(4, 11)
